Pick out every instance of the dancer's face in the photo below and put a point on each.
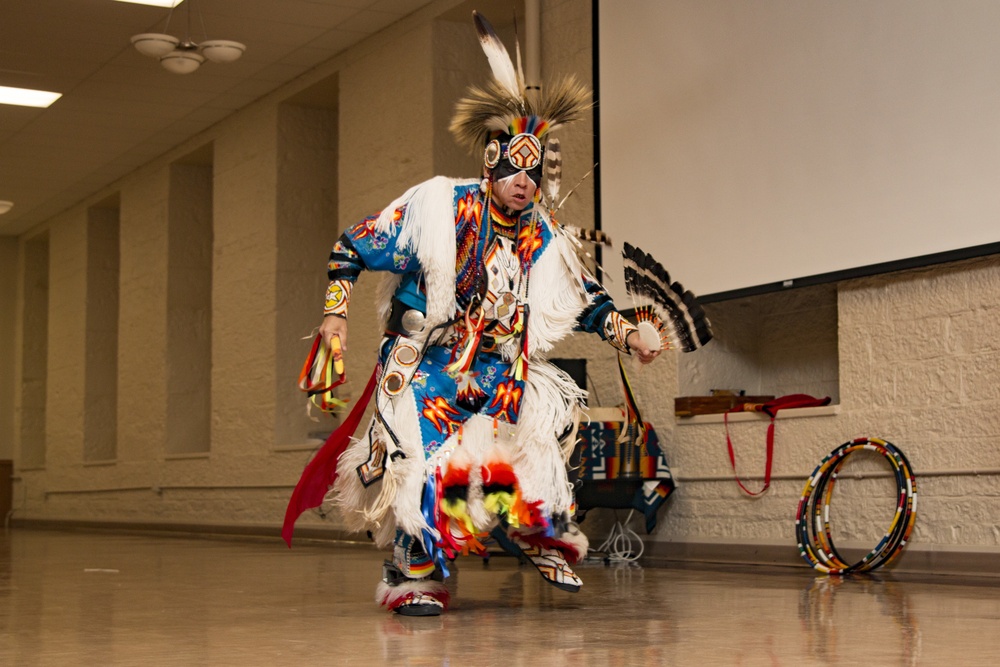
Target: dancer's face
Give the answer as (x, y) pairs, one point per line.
(514, 192)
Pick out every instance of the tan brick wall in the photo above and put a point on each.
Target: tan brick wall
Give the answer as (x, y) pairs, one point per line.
(244, 274)
(66, 339)
(8, 314)
(142, 317)
(100, 435)
(31, 351)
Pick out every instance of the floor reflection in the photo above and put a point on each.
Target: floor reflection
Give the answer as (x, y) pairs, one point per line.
(825, 623)
(99, 599)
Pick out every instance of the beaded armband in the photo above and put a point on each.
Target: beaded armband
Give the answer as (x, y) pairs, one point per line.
(338, 295)
(617, 329)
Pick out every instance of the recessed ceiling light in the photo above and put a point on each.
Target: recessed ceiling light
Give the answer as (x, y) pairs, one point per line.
(155, 3)
(25, 97)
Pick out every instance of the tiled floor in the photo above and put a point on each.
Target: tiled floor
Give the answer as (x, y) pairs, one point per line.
(101, 599)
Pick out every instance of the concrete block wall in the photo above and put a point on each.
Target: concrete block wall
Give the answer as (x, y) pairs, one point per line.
(31, 312)
(142, 318)
(773, 344)
(100, 438)
(244, 275)
(189, 309)
(911, 357)
(64, 425)
(8, 301)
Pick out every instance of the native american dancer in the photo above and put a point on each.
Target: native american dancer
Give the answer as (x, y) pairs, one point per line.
(472, 426)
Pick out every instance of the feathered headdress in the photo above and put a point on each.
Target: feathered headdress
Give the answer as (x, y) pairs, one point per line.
(503, 106)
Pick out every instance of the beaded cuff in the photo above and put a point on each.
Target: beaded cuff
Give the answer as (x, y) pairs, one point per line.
(338, 295)
(617, 329)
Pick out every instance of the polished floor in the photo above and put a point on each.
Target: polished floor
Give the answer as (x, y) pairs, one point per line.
(74, 598)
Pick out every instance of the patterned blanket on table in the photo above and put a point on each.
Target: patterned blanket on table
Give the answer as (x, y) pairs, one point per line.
(611, 466)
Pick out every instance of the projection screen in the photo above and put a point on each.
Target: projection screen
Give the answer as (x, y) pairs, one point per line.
(753, 144)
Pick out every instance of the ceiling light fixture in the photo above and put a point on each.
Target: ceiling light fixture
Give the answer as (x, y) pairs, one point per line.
(185, 56)
(5, 206)
(26, 97)
(154, 3)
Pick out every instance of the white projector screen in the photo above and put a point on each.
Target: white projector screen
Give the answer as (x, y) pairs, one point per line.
(750, 144)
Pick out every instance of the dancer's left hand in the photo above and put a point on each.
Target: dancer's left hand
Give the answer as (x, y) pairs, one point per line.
(639, 348)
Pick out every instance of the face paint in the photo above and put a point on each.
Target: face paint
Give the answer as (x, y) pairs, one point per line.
(514, 192)
(506, 170)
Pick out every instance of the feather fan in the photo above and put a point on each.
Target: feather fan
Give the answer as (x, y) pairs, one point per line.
(673, 312)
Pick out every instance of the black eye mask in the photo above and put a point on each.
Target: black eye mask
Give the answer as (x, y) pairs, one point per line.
(507, 155)
(505, 169)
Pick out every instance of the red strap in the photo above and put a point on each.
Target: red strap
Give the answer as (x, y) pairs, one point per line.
(321, 472)
(770, 409)
(767, 463)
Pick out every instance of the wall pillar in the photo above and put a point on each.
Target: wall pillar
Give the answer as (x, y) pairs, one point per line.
(244, 285)
(8, 317)
(142, 323)
(100, 437)
(189, 310)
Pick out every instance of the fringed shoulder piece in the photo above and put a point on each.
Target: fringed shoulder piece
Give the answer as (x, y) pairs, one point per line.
(427, 227)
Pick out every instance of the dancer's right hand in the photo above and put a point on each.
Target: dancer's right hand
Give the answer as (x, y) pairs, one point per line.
(334, 326)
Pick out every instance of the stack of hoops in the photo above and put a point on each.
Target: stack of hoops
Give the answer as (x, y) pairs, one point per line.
(812, 520)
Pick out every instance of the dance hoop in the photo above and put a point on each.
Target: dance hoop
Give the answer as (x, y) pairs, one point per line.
(812, 520)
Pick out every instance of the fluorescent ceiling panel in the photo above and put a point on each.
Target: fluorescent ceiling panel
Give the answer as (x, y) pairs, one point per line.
(25, 97)
(154, 3)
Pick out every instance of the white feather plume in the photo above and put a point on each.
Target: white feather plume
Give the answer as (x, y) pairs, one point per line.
(517, 50)
(499, 59)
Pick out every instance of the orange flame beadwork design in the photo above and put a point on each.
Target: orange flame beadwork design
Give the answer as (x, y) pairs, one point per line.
(469, 207)
(366, 229)
(438, 412)
(507, 399)
(529, 239)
